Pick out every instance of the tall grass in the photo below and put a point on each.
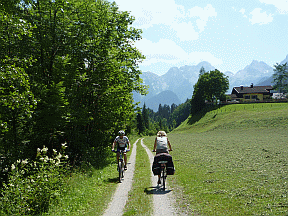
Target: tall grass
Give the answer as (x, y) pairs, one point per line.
(233, 161)
(88, 192)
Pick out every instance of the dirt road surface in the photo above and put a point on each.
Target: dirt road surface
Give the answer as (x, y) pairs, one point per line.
(164, 201)
(120, 197)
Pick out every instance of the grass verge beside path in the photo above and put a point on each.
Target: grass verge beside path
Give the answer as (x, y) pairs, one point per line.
(233, 161)
(89, 193)
(139, 202)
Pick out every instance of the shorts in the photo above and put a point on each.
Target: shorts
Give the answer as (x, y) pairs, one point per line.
(121, 148)
(158, 151)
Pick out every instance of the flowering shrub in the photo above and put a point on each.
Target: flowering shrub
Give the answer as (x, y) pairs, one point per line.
(32, 185)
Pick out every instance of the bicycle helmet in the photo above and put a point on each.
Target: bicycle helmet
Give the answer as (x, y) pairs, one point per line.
(121, 133)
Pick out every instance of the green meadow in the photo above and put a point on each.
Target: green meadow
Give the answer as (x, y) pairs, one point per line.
(229, 161)
(232, 161)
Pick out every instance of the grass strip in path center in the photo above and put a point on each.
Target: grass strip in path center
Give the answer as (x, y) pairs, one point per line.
(163, 200)
(140, 202)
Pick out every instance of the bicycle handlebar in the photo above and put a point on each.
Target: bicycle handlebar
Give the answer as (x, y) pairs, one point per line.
(127, 150)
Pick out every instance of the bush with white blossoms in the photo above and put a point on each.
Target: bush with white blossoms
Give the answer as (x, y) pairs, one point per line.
(32, 185)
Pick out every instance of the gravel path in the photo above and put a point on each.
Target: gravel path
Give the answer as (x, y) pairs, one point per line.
(164, 202)
(120, 197)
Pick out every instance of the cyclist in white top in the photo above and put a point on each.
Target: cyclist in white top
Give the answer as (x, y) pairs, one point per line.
(122, 142)
(161, 145)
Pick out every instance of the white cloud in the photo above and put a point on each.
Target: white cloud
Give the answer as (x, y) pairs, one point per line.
(167, 12)
(185, 31)
(165, 50)
(242, 11)
(203, 14)
(168, 52)
(281, 5)
(260, 18)
(151, 12)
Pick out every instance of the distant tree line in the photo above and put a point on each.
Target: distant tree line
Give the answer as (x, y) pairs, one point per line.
(166, 118)
(210, 87)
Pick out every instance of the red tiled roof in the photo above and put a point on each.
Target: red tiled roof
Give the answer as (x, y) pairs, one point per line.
(254, 89)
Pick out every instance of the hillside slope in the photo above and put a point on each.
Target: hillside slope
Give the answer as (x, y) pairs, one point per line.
(238, 116)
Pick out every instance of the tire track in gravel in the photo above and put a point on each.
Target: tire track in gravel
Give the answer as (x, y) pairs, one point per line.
(164, 201)
(120, 197)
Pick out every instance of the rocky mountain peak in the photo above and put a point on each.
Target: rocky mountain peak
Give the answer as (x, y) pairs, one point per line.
(180, 81)
(285, 60)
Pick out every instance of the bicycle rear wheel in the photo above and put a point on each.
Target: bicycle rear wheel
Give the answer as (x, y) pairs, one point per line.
(164, 177)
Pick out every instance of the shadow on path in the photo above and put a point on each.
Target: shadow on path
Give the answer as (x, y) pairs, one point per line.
(113, 180)
(156, 190)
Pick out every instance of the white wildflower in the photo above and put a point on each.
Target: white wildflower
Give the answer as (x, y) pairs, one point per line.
(44, 150)
(13, 167)
(55, 151)
(46, 159)
(38, 149)
(42, 159)
(59, 156)
(57, 163)
(24, 161)
(66, 156)
(19, 161)
(64, 145)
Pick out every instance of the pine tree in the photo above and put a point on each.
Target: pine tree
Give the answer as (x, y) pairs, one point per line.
(145, 114)
(140, 123)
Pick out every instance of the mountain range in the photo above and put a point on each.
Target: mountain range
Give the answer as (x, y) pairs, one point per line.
(176, 86)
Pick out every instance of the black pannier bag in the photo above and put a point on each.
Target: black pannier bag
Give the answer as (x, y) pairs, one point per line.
(163, 157)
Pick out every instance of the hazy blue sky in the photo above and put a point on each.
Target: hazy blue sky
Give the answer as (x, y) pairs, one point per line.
(227, 33)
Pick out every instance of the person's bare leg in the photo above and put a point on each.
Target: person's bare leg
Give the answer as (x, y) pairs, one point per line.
(125, 160)
(117, 157)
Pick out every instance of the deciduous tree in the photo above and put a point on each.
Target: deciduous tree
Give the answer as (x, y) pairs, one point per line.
(210, 85)
(281, 77)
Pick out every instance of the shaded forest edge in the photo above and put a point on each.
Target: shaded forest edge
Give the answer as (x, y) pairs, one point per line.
(68, 70)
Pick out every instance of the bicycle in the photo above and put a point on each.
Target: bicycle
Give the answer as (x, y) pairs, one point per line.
(120, 164)
(163, 172)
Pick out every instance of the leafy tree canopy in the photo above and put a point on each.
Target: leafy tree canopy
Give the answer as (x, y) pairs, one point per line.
(210, 86)
(281, 77)
(78, 62)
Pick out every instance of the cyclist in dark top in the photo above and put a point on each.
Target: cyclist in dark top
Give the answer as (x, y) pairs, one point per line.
(122, 142)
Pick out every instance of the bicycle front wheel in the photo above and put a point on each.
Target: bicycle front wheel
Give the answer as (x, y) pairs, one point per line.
(120, 171)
